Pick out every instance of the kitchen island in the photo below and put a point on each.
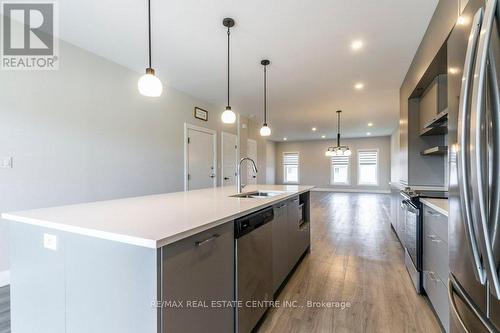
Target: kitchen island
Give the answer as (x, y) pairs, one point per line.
(131, 265)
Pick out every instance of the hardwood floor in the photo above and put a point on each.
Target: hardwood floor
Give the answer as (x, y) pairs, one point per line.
(355, 258)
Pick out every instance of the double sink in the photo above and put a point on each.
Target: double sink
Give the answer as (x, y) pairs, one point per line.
(258, 194)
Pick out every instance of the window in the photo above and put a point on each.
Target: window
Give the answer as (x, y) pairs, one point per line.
(368, 167)
(290, 167)
(339, 171)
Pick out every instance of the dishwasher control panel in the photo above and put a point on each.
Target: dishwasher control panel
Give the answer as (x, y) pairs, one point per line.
(246, 224)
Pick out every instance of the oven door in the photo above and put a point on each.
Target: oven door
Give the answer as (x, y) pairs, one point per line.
(411, 233)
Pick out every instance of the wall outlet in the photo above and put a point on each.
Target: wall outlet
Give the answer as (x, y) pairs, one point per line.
(6, 162)
(50, 242)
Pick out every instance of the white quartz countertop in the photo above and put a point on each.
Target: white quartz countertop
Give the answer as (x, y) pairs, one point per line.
(155, 220)
(439, 205)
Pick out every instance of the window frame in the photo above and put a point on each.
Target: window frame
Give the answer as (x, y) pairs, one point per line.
(284, 167)
(377, 182)
(332, 182)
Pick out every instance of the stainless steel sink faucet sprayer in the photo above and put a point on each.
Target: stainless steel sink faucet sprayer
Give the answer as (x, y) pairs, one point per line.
(238, 178)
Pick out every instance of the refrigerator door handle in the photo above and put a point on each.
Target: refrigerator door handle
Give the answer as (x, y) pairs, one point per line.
(495, 120)
(478, 117)
(463, 141)
(455, 289)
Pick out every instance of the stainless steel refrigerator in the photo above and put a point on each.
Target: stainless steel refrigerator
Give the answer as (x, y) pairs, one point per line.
(474, 140)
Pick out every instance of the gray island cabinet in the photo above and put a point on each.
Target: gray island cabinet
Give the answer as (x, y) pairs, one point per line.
(196, 272)
(150, 264)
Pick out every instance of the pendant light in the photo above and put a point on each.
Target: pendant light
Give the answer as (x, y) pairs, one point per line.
(150, 85)
(338, 150)
(228, 116)
(265, 130)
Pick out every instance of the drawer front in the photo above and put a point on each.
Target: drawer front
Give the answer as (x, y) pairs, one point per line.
(437, 222)
(438, 295)
(436, 257)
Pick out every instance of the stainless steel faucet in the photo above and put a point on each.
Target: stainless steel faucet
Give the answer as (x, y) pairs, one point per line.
(238, 177)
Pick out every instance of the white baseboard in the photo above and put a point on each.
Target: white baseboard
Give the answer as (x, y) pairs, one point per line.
(4, 278)
(349, 190)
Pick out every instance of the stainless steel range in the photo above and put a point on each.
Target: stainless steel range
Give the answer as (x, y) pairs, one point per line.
(413, 231)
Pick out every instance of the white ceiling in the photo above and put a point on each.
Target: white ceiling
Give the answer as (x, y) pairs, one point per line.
(313, 69)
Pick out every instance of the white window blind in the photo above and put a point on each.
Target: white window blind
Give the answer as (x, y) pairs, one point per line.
(368, 167)
(339, 171)
(291, 167)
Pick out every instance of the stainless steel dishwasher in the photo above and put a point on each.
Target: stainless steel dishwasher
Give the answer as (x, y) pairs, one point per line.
(254, 268)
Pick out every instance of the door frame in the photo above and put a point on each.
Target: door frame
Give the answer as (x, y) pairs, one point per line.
(188, 127)
(222, 154)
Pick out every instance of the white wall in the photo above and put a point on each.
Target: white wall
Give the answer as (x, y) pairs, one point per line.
(315, 166)
(84, 133)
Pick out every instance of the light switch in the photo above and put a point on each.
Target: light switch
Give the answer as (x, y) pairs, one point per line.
(50, 242)
(6, 162)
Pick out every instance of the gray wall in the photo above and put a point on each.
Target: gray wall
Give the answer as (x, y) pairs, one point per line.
(315, 166)
(271, 162)
(265, 162)
(84, 133)
(440, 26)
(395, 159)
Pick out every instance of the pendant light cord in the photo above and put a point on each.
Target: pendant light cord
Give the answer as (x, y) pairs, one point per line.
(228, 66)
(265, 94)
(338, 128)
(149, 31)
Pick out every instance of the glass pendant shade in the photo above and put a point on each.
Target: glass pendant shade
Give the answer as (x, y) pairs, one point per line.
(348, 152)
(149, 84)
(228, 116)
(265, 130)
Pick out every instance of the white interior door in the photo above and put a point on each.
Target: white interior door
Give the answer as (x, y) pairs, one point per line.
(200, 158)
(252, 153)
(229, 143)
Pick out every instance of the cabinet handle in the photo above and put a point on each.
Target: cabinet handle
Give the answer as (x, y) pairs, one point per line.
(434, 238)
(430, 213)
(432, 276)
(208, 240)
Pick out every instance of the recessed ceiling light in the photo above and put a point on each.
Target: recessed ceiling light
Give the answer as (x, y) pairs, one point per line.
(359, 86)
(313, 129)
(370, 124)
(357, 45)
(284, 139)
(462, 20)
(368, 133)
(323, 136)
